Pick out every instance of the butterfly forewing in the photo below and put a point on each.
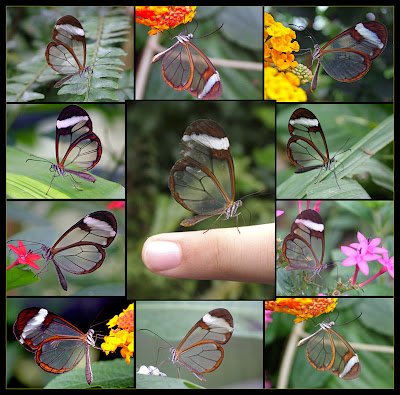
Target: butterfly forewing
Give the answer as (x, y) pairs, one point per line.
(67, 53)
(204, 181)
(176, 67)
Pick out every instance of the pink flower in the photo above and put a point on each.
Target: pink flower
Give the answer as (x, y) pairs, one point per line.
(24, 258)
(268, 317)
(359, 256)
(372, 246)
(388, 263)
(279, 212)
(316, 205)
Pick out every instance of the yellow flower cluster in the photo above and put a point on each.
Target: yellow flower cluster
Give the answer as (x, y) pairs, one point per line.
(122, 336)
(279, 83)
(302, 308)
(160, 18)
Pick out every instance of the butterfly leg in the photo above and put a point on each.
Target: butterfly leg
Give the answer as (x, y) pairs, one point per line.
(74, 182)
(52, 178)
(334, 172)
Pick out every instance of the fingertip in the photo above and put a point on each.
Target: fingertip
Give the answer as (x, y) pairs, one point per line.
(160, 255)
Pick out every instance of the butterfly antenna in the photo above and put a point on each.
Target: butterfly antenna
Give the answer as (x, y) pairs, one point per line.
(148, 330)
(348, 322)
(38, 159)
(209, 34)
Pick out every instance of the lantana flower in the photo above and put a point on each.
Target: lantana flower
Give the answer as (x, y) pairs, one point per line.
(122, 336)
(279, 82)
(161, 18)
(302, 308)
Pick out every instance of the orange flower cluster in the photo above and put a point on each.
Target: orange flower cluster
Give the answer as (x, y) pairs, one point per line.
(122, 336)
(302, 308)
(160, 18)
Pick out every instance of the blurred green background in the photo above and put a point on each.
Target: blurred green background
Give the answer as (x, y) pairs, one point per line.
(154, 131)
(325, 23)
(240, 38)
(342, 221)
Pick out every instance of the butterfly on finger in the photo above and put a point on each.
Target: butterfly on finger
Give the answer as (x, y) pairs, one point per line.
(203, 181)
(58, 345)
(186, 67)
(78, 148)
(348, 56)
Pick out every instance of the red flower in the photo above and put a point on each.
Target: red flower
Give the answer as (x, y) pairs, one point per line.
(118, 204)
(24, 258)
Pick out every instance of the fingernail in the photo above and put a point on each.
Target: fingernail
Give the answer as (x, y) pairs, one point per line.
(162, 255)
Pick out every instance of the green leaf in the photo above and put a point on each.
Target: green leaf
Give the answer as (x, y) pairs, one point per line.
(116, 374)
(17, 277)
(31, 181)
(147, 382)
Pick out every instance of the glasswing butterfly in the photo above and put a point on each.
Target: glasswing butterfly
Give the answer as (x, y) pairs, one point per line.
(328, 350)
(66, 54)
(78, 149)
(203, 181)
(201, 349)
(307, 148)
(58, 345)
(348, 56)
(186, 67)
(303, 248)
